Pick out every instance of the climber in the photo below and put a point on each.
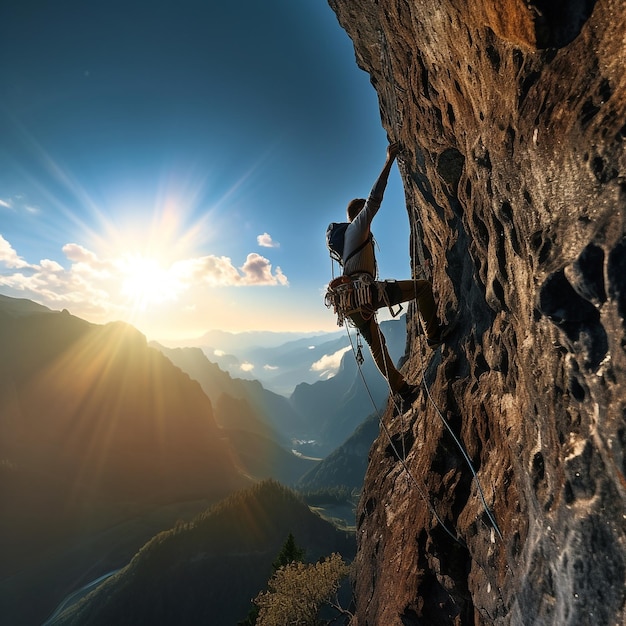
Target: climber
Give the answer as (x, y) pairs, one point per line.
(359, 265)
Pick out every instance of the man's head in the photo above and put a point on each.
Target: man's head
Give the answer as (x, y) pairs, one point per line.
(354, 207)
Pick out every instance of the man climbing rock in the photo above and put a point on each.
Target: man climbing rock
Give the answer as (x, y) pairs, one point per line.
(367, 295)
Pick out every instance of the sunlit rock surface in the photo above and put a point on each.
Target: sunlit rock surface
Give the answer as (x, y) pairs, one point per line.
(513, 120)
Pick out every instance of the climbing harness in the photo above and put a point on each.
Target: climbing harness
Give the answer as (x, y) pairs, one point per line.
(349, 295)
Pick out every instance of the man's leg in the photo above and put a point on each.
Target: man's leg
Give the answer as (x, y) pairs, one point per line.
(420, 290)
(376, 341)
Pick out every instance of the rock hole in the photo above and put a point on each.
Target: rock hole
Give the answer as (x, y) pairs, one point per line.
(588, 111)
(500, 248)
(450, 165)
(494, 57)
(400, 446)
(541, 245)
(515, 243)
(507, 211)
(576, 389)
(504, 362)
(516, 543)
(601, 171)
(451, 117)
(527, 197)
(483, 159)
(587, 274)
(439, 116)
(576, 317)
(498, 292)
(482, 233)
(605, 91)
(526, 85)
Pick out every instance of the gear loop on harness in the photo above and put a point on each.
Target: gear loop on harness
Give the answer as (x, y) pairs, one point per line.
(348, 295)
(357, 293)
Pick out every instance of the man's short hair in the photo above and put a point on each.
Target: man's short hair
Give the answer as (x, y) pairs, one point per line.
(354, 207)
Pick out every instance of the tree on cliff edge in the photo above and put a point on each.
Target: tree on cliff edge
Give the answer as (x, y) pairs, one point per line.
(298, 591)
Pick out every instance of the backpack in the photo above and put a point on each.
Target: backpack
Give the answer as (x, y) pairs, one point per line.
(335, 235)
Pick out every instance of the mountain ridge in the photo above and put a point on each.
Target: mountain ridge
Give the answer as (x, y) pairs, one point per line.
(97, 430)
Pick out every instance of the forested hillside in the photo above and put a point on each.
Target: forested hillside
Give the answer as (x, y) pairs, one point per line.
(208, 570)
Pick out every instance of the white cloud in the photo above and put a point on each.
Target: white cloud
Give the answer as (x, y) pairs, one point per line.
(105, 288)
(246, 367)
(270, 368)
(257, 270)
(220, 271)
(9, 257)
(265, 241)
(5, 203)
(329, 361)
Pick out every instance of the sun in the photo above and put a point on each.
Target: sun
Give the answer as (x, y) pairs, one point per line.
(146, 281)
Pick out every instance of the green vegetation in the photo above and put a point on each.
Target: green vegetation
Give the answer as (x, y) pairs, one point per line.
(339, 494)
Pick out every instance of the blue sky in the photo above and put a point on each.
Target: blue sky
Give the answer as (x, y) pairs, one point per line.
(175, 164)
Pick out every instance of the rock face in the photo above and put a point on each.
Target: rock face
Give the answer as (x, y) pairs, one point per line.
(512, 115)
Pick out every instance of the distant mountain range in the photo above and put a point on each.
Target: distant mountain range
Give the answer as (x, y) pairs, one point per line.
(321, 415)
(337, 406)
(280, 361)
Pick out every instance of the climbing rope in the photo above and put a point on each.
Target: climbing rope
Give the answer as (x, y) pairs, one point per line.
(400, 457)
(463, 452)
(449, 428)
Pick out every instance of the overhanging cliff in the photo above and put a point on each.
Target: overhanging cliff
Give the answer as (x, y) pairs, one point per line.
(513, 120)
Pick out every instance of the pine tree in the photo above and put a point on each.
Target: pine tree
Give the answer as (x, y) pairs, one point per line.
(289, 553)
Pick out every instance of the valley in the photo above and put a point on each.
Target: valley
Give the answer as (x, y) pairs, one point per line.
(144, 438)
